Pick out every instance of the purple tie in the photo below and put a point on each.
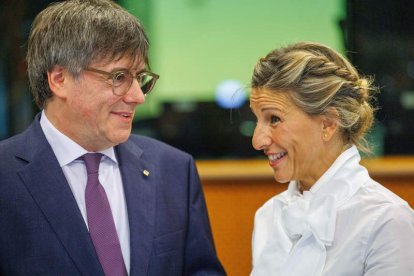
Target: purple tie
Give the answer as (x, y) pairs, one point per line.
(101, 224)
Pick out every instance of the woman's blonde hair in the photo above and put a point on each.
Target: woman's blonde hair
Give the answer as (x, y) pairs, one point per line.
(319, 79)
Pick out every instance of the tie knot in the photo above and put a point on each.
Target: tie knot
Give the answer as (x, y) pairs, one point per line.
(92, 161)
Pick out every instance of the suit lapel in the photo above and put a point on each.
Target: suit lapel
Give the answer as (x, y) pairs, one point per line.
(45, 181)
(139, 178)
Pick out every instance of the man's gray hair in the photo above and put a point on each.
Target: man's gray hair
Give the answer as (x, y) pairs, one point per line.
(75, 33)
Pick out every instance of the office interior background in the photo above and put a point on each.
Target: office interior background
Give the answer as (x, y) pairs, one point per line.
(205, 52)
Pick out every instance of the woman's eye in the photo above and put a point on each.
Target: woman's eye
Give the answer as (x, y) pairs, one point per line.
(274, 119)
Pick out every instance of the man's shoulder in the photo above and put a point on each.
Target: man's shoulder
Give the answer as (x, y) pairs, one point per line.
(10, 148)
(26, 140)
(9, 144)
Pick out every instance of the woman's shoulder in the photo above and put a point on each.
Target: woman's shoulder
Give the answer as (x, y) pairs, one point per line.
(372, 202)
(373, 193)
(375, 206)
(391, 229)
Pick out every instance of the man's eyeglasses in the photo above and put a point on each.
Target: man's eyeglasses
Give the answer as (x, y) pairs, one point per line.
(122, 80)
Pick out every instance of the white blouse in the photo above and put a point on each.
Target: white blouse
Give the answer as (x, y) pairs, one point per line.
(346, 224)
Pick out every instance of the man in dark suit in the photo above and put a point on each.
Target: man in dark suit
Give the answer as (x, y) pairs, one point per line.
(80, 195)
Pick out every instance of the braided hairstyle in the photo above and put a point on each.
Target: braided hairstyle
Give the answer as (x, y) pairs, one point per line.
(318, 80)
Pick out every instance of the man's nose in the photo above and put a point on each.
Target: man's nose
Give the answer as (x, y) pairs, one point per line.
(135, 93)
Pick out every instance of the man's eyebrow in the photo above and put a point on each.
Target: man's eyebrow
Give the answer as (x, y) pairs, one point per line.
(117, 69)
(133, 72)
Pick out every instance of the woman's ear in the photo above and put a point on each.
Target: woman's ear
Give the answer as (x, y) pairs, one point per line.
(56, 79)
(329, 123)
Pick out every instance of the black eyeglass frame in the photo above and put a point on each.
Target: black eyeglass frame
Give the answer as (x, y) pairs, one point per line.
(114, 75)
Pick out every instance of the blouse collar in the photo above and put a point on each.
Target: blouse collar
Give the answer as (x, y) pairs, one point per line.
(304, 224)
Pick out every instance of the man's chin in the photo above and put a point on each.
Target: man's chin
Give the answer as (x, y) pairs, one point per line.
(120, 137)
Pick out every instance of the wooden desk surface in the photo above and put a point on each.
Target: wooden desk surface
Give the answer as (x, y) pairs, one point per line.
(392, 166)
(235, 189)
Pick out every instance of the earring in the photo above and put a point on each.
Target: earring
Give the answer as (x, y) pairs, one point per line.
(325, 135)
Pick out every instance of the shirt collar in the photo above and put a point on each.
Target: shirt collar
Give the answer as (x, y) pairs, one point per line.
(66, 150)
(311, 216)
(345, 169)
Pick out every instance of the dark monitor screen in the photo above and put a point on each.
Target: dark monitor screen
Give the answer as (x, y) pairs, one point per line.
(380, 42)
(203, 129)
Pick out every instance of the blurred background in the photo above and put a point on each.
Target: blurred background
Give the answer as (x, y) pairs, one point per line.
(205, 50)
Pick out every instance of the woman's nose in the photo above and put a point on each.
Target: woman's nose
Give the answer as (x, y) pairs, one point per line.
(261, 138)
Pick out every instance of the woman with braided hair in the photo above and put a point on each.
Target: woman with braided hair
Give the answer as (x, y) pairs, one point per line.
(313, 111)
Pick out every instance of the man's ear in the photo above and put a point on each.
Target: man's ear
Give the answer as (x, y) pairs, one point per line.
(329, 123)
(56, 79)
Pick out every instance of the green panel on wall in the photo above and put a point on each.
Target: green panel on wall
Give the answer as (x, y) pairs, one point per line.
(195, 44)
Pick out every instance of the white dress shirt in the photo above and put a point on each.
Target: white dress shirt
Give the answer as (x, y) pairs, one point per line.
(346, 224)
(67, 152)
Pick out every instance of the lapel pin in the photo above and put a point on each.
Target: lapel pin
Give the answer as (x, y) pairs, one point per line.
(145, 172)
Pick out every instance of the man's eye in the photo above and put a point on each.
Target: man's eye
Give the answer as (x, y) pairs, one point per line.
(274, 119)
(119, 78)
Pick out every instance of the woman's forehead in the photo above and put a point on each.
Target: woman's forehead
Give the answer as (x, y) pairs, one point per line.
(263, 96)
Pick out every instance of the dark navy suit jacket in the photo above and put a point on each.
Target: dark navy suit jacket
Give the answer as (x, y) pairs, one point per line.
(42, 231)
